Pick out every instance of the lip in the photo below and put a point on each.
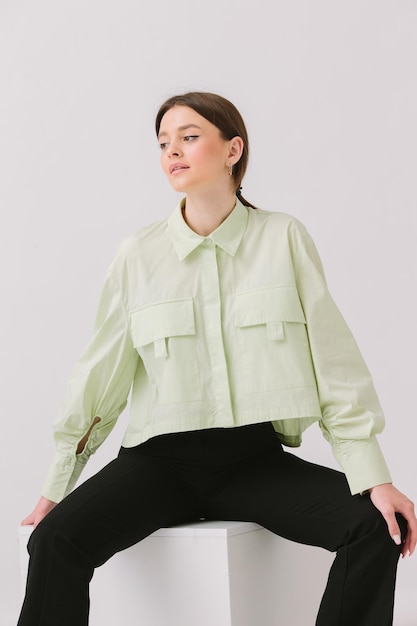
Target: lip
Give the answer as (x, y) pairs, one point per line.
(175, 168)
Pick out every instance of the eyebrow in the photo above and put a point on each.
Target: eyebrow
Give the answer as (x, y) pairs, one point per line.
(184, 127)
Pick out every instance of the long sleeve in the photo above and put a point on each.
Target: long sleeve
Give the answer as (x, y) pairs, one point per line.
(351, 413)
(99, 386)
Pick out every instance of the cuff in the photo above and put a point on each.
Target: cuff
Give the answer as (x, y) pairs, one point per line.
(63, 474)
(363, 463)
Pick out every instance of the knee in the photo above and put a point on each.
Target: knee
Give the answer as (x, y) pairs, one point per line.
(52, 541)
(366, 521)
(42, 538)
(372, 521)
(52, 528)
(370, 526)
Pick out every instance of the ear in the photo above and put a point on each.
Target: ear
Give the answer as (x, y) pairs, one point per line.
(235, 149)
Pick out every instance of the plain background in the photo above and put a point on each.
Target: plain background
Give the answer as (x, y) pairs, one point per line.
(328, 91)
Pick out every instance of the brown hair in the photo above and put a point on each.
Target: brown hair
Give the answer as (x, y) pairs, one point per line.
(225, 116)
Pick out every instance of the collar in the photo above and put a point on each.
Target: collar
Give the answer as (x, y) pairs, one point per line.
(227, 236)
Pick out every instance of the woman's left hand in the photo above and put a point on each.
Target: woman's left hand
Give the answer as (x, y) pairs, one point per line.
(388, 500)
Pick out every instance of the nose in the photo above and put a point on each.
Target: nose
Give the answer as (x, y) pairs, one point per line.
(174, 148)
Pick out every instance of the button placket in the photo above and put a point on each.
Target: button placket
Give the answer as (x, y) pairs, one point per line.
(213, 326)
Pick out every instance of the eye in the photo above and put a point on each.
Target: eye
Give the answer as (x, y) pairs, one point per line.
(163, 146)
(190, 137)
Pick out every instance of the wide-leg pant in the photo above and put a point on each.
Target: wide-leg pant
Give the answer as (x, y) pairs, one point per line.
(230, 474)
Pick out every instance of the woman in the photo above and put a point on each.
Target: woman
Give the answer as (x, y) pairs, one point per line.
(220, 321)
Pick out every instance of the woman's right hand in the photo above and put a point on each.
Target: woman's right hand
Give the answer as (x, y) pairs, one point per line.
(41, 509)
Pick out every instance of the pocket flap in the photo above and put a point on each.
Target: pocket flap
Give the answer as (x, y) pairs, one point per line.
(262, 306)
(172, 318)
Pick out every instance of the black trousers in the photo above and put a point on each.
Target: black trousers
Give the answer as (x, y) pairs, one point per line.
(229, 474)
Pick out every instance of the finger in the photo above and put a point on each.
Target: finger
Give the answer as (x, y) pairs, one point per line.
(413, 535)
(411, 540)
(38, 518)
(406, 546)
(393, 528)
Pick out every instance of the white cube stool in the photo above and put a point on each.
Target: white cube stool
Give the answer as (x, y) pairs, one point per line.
(207, 574)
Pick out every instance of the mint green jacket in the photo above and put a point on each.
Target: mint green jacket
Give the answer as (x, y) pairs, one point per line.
(221, 331)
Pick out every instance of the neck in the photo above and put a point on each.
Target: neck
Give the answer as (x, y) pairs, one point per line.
(204, 214)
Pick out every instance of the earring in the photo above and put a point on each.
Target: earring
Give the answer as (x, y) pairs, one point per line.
(230, 166)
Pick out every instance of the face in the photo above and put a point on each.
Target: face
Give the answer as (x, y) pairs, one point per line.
(194, 155)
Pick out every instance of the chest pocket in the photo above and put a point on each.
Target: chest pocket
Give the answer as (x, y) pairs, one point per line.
(164, 336)
(273, 341)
